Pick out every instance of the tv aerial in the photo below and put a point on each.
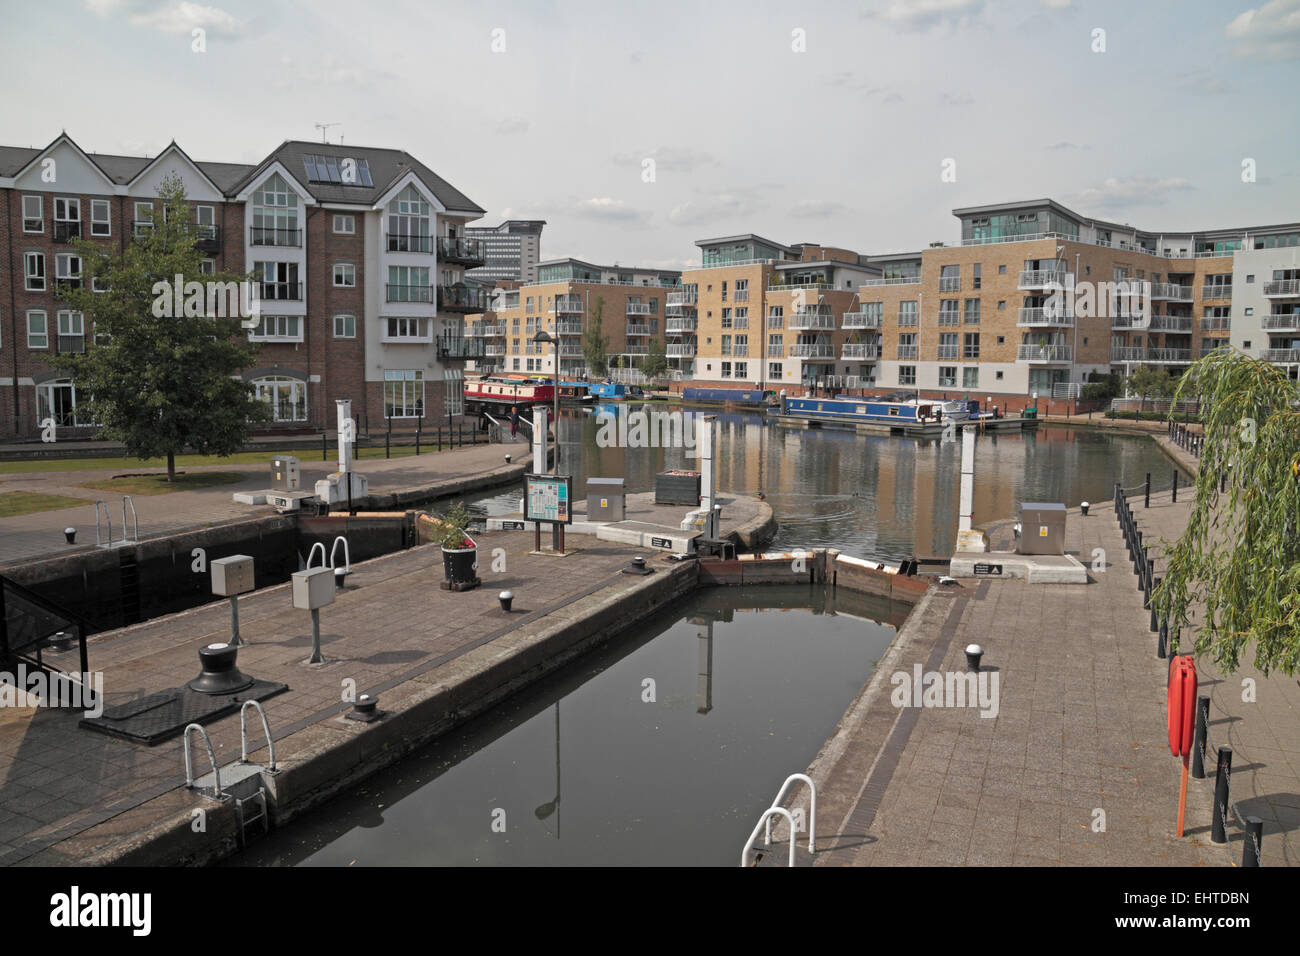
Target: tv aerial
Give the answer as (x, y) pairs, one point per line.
(325, 126)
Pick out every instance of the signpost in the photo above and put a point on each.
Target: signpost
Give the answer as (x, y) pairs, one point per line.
(548, 499)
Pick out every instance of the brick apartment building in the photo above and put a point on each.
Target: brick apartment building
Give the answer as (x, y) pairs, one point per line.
(563, 302)
(360, 254)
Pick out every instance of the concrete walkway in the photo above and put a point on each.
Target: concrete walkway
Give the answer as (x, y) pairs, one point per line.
(24, 537)
(1080, 732)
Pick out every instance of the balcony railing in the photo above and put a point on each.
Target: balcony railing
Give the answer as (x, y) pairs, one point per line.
(1172, 323)
(567, 306)
(638, 308)
(907, 318)
(678, 311)
(1216, 291)
(906, 352)
(1215, 323)
(813, 321)
(895, 280)
(949, 352)
(798, 286)
(570, 350)
(460, 298)
(1282, 288)
(636, 349)
(950, 283)
(635, 329)
(396, 292)
(492, 351)
(272, 236)
(680, 350)
(1154, 356)
(568, 327)
(1168, 290)
(453, 347)
(851, 351)
(66, 231)
(684, 297)
(1050, 317)
(282, 291)
(1040, 278)
(742, 295)
(399, 242)
(461, 249)
(681, 326)
(487, 330)
(1043, 353)
(1282, 323)
(813, 350)
(1284, 356)
(949, 317)
(861, 320)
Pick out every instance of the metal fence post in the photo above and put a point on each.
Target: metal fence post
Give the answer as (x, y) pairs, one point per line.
(1163, 641)
(1218, 829)
(1250, 846)
(1198, 741)
(1147, 495)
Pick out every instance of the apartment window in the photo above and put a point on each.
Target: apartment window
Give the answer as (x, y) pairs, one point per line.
(1250, 310)
(907, 375)
(408, 223)
(404, 393)
(975, 279)
(38, 330)
(528, 305)
(742, 345)
(774, 370)
(208, 267)
(1002, 270)
(1250, 279)
(101, 223)
(726, 370)
(742, 370)
(345, 275)
(143, 217)
(345, 224)
(742, 290)
(724, 291)
(947, 376)
(345, 326)
(971, 316)
(776, 344)
(971, 346)
(742, 317)
(997, 376)
(948, 314)
(726, 318)
(907, 313)
(275, 214)
(514, 363)
(1002, 340)
(34, 271)
(59, 400)
(949, 278)
(67, 270)
(776, 317)
(33, 214)
(408, 284)
(405, 327)
(970, 376)
(1002, 304)
(72, 332)
(277, 328)
(279, 280)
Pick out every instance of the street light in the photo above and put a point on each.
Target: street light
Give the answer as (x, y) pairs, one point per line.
(544, 336)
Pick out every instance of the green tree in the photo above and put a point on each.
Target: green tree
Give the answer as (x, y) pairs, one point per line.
(1240, 552)
(595, 345)
(1102, 388)
(1147, 381)
(655, 362)
(161, 382)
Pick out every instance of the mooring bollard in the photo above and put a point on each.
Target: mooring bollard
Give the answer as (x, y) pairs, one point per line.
(1163, 642)
(973, 654)
(1202, 731)
(324, 446)
(1250, 846)
(1147, 493)
(1218, 829)
(1175, 486)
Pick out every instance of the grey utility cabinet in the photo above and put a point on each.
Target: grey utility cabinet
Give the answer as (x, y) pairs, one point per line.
(605, 499)
(1042, 528)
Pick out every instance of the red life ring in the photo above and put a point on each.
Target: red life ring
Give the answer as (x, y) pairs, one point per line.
(1181, 704)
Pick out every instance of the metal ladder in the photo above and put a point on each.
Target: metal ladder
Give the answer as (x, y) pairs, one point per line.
(104, 538)
(777, 810)
(260, 812)
(212, 759)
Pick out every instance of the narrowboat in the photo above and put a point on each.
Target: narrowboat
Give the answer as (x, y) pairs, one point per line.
(499, 392)
(863, 414)
(575, 393)
(956, 410)
(615, 392)
(752, 397)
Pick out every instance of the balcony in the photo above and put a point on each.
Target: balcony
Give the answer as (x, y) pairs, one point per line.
(570, 350)
(1044, 317)
(1215, 323)
(1043, 354)
(1172, 323)
(407, 293)
(281, 291)
(486, 330)
(1283, 356)
(814, 321)
(1282, 323)
(742, 295)
(1282, 288)
(895, 280)
(861, 320)
(493, 351)
(66, 231)
(682, 326)
(567, 327)
(950, 283)
(269, 236)
(686, 298)
(567, 306)
(462, 298)
(684, 350)
(1041, 279)
(454, 348)
(949, 317)
(947, 352)
(399, 242)
(638, 308)
(467, 252)
(801, 286)
(634, 329)
(907, 318)
(678, 311)
(1170, 291)
(1216, 292)
(852, 351)
(636, 350)
(906, 352)
(818, 350)
(1150, 356)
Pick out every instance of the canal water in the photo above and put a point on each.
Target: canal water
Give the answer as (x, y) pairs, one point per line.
(876, 496)
(597, 766)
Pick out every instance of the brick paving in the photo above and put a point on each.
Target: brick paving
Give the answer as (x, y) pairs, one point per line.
(1080, 728)
(24, 537)
(58, 781)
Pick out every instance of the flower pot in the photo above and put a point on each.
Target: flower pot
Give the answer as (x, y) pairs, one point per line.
(460, 565)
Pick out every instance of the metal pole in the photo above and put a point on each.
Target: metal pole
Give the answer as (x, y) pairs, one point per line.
(1198, 741)
(234, 621)
(1218, 831)
(1147, 500)
(556, 381)
(316, 656)
(1250, 846)
(1175, 486)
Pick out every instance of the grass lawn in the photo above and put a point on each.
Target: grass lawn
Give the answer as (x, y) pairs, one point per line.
(28, 502)
(159, 485)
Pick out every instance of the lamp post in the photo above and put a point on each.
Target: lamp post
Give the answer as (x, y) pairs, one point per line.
(544, 336)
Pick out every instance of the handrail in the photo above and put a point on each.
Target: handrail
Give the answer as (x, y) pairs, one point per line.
(347, 557)
(212, 758)
(135, 520)
(108, 519)
(768, 814)
(812, 812)
(243, 732)
(311, 555)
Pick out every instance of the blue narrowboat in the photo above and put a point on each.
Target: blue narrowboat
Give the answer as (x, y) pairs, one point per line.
(862, 414)
(615, 392)
(753, 397)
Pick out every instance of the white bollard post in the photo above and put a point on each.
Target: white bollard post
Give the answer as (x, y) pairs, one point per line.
(968, 539)
(708, 478)
(541, 415)
(347, 434)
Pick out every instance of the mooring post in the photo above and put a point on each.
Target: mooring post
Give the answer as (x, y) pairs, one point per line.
(1147, 496)
(1175, 486)
(1163, 641)
(1218, 828)
(316, 656)
(1250, 846)
(1198, 741)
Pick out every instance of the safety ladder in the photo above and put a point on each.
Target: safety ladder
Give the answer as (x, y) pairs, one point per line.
(104, 535)
(776, 810)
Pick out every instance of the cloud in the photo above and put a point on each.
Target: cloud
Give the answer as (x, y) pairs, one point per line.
(921, 16)
(1063, 144)
(1130, 191)
(327, 71)
(181, 18)
(1057, 4)
(817, 208)
(669, 159)
(958, 99)
(605, 209)
(723, 206)
(512, 125)
(844, 80)
(1268, 32)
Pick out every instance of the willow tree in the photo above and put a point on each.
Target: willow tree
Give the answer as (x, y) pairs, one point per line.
(1239, 555)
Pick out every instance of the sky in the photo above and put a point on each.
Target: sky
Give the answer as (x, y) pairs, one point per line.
(852, 124)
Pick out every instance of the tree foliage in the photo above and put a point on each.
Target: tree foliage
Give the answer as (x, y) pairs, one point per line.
(1240, 552)
(160, 383)
(595, 345)
(1147, 381)
(655, 362)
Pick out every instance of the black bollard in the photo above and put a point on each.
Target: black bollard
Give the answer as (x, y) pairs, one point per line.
(1147, 494)
(1218, 829)
(1163, 641)
(388, 451)
(1175, 486)
(1198, 741)
(1250, 846)
(324, 446)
